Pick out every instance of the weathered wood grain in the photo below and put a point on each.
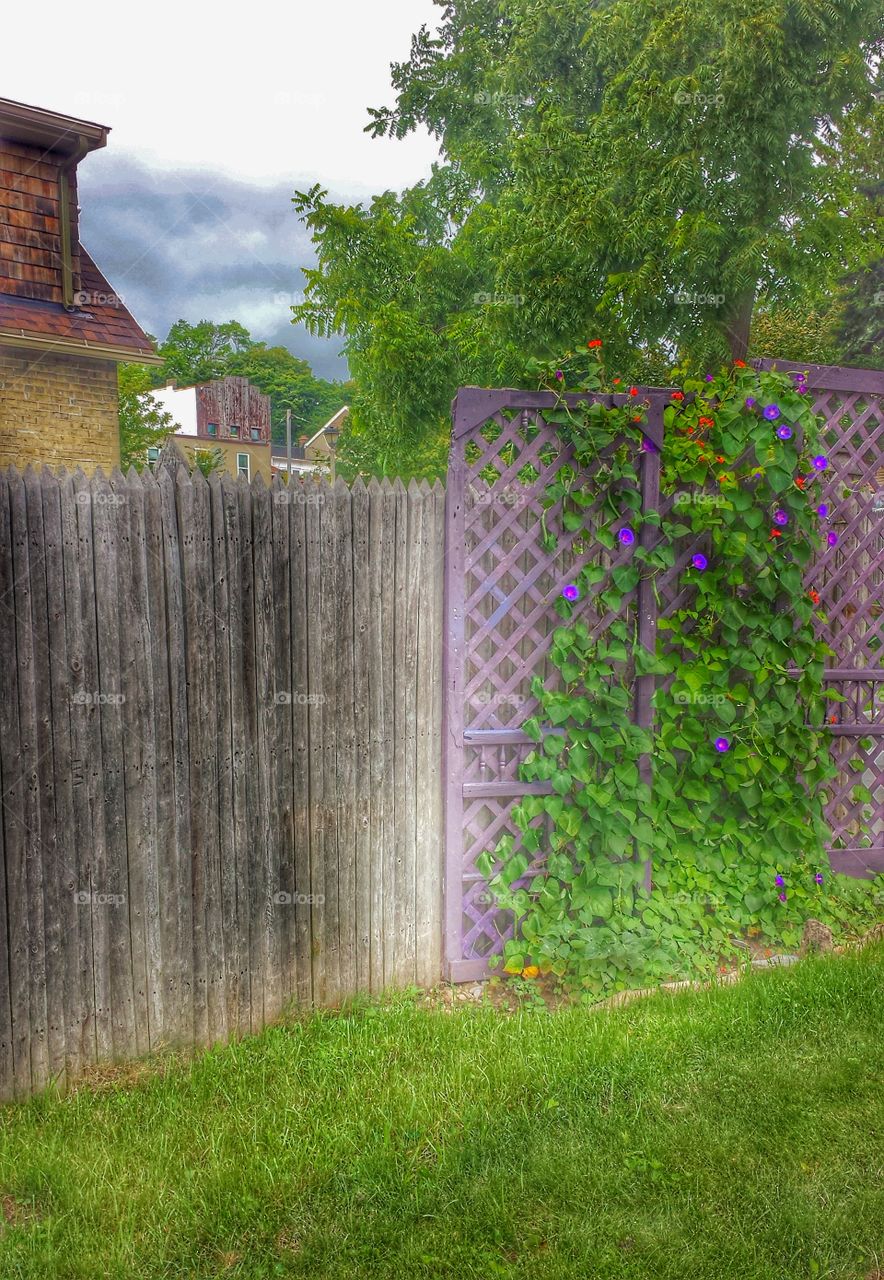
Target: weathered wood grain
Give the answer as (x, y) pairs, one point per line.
(219, 754)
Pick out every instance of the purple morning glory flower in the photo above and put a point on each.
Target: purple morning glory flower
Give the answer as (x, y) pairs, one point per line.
(571, 592)
(722, 744)
(648, 446)
(780, 517)
(832, 538)
(784, 432)
(559, 374)
(819, 877)
(782, 896)
(779, 881)
(626, 536)
(771, 411)
(699, 561)
(822, 510)
(709, 377)
(820, 462)
(750, 402)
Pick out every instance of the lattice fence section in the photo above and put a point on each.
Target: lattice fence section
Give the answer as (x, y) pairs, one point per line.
(505, 576)
(850, 575)
(850, 580)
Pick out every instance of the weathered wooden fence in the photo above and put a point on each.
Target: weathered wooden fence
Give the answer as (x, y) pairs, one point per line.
(219, 756)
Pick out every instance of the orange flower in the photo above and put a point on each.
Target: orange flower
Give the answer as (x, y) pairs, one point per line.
(739, 364)
(616, 381)
(594, 342)
(833, 719)
(720, 458)
(530, 971)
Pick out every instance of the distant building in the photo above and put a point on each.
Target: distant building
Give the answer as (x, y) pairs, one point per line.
(228, 414)
(63, 329)
(312, 455)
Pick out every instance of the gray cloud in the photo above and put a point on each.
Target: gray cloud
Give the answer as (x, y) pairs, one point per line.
(195, 245)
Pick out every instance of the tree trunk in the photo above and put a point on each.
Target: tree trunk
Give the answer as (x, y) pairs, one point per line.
(737, 323)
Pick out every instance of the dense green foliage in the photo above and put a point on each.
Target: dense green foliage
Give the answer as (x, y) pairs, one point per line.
(646, 171)
(205, 351)
(143, 423)
(733, 823)
(731, 1134)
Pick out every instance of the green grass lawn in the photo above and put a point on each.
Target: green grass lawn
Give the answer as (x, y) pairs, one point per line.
(734, 1134)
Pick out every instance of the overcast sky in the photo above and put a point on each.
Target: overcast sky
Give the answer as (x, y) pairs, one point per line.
(218, 114)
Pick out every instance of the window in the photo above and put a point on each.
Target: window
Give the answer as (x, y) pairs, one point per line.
(153, 454)
(256, 433)
(212, 428)
(234, 431)
(242, 465)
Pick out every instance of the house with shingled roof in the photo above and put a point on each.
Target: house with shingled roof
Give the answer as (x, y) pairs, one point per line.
(63, 328)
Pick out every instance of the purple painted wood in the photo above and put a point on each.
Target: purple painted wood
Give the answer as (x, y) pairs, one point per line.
(647, 595)
(849, 577)
(452, 707)
(501, 585)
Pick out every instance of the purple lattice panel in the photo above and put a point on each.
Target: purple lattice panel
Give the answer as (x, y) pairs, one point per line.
(484, 926)
(511, 580)
(849, 577)
(503, 581)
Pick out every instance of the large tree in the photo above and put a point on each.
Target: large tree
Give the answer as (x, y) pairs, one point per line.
(644, 171)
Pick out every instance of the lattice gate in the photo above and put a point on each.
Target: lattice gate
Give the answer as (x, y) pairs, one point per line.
(501, 584)
(850, 580)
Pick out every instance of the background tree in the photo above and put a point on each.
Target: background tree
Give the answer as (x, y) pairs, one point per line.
(206, 351)
(143, 423)
(645, 172)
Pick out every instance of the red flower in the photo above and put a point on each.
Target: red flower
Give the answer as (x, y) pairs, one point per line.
(690, 431)
(594, 342)
(739, 364)
(800, 481)
(637, 418)
(720, 458)
(633, 391)
(616, 381)
(707, 422)
(815, 596)
(678, 395)
(833, 719)
(775, 533)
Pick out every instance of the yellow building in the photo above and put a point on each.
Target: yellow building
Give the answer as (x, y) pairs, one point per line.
(229, 415)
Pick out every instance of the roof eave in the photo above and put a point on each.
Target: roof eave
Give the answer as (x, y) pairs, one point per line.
(78, 346)
(62, 134)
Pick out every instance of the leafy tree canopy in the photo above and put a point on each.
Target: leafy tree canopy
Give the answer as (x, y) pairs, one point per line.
(650, 172)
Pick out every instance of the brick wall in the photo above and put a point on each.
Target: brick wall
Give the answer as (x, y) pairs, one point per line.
(58, 410)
